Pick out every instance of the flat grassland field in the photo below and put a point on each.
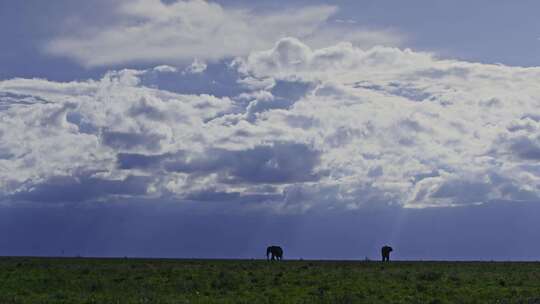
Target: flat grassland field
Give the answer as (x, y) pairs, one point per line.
(80, 280)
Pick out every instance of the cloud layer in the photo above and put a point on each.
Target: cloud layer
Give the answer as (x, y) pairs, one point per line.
(151, 31)
(338, 127)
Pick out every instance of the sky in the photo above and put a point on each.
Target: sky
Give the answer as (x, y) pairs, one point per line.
(212, 129)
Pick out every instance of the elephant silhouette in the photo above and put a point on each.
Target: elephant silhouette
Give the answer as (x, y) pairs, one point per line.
(385, 253)
(275, 251)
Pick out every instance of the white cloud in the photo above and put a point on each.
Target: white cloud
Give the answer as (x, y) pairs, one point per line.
(412, 114)
(165, 69)
(335, 127)
(196, 67)
(151, 31)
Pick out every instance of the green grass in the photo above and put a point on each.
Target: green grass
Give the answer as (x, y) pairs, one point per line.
(78, 280)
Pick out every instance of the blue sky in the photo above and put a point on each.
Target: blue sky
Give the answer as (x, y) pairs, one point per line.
(213, 129)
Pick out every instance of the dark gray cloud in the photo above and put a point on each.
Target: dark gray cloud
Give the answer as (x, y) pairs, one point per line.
(212, 195)
(9, 99)
(75, 189)
(398, 89)
(5, 153)
(525, 148)
(128, 161)
(142, 108)
(129, 140)
(463, 191)
(281, 162)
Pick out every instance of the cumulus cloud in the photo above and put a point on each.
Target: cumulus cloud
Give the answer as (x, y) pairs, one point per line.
(165, 69)
(196, 67)
(338, 127)
(155, 32)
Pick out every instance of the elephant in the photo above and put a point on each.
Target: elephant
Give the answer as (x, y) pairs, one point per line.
(385, 253)
(276, 251)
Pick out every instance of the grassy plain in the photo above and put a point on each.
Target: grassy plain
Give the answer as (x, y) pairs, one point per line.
(80, 280)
